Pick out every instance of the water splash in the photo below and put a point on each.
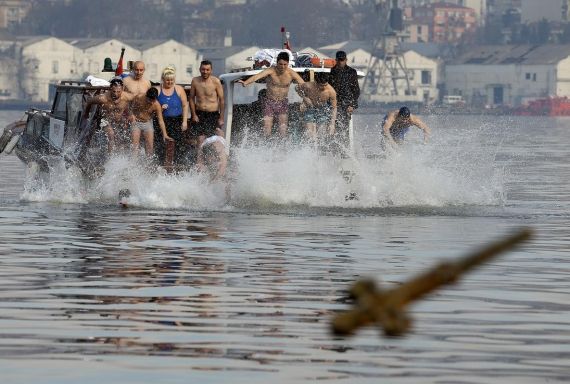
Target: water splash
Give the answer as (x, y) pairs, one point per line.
(455, 169)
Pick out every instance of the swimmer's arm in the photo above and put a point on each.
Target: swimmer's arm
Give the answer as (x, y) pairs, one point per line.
(296, 78)
(200, 160)
(192, 102)
(221, 105)
(302, 92)
(93, 100)
(261, 75)
(158, 111)
(332, 100)
(129, 110)
(421, 125)
(223, 162)
(184, 99)
(386, 128)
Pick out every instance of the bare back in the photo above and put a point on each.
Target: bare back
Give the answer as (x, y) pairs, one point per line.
(143, 108)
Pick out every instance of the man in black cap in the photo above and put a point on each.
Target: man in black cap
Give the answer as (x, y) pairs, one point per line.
(398, 122)
(344, 80)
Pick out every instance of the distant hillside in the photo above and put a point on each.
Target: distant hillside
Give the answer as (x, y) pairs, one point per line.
(311, 22)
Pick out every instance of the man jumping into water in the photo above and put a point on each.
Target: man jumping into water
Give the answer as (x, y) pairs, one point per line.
(319, 101)
(115, 113)
(276, 102)
(397, 123)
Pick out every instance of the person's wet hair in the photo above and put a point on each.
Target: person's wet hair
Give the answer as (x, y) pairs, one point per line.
(283, 56)
(206, 62)
(116, 81)
(321, 77)
(404, 112)
(262, 94)
(152, 93)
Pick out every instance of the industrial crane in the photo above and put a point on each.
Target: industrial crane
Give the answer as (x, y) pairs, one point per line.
(387, 62)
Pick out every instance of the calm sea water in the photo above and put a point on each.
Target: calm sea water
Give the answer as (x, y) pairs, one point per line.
(184, 288)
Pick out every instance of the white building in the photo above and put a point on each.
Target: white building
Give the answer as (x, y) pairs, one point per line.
(510, 75)
(158, 54)
(94, 52)
(44, 61)
(420, 87)
(9, 87)
(479, 6)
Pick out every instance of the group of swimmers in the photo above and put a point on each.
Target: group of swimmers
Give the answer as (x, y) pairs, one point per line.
(133, 102)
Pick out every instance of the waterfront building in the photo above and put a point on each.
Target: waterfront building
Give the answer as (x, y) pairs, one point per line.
(510, 75)
(12, 12)
(158, 54)
(421, 86)
(42, 62)
(94, 52)
(39, 62)
(448, 23)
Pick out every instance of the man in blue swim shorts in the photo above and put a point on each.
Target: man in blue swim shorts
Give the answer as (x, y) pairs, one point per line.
(319, 101)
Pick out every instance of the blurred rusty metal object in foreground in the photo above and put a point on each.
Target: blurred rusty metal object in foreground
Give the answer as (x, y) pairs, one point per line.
(386, 308)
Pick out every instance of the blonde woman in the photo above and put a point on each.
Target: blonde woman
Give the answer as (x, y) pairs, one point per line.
(174, 102)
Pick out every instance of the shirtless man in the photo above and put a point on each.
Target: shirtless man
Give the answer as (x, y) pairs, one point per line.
(319, 102)
(207, 103)
(144, 107)
(398, 122)
(114, 111)
(276, 103)
(135, 84)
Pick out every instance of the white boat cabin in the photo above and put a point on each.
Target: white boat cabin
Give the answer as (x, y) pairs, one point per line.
(243, 113)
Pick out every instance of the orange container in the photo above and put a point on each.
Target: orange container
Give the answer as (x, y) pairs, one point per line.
(322, 62)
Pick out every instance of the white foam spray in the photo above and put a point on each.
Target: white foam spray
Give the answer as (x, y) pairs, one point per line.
(450, 171)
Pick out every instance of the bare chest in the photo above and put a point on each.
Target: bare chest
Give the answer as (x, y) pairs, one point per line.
(206, 90)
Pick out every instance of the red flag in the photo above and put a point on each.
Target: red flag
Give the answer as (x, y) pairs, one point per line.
(285, 39)
(119, 70)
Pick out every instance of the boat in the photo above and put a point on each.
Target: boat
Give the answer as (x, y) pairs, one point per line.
(43, 137)
(550, 106)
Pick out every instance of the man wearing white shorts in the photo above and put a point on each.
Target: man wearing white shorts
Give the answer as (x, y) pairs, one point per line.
(144, 107)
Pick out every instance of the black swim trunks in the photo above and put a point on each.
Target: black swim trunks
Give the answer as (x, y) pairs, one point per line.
(207, 124)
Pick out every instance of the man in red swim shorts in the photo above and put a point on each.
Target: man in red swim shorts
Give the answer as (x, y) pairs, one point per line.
(279, 79)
